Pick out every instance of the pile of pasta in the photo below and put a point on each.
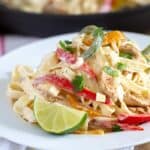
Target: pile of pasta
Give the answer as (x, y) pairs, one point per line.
(117, 72)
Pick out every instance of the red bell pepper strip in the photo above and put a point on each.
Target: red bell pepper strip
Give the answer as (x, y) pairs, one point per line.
(72, 59)
(60, 82)
(64, 84)
(86, 68)
(134, 119)
(126, 127)
(87, 94)
(66, 56)
(110, 124)
(108, 101)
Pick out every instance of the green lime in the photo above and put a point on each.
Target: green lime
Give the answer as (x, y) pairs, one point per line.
(57, 118)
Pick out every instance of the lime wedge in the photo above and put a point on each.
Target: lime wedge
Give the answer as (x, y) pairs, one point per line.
(57, 118)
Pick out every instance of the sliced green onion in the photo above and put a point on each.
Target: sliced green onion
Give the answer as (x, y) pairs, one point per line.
(68, 42)
(121, 66)
(126, 55)
(110, 71)
(116, 128)
(66, 45)
(78, 83)
(146, 53)
(98, 32)
(98, 35)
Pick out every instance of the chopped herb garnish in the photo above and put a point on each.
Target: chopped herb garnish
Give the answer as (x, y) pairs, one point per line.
(126, 55)
(98, 34)
(68, 42)
(121, 66)
(116, 128)
(110, 71)
(78, 83)
(66, 45)
(146, 53)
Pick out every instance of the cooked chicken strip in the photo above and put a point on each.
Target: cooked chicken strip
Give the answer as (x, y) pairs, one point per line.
(108, 85)
(129, 48)
(133, 100)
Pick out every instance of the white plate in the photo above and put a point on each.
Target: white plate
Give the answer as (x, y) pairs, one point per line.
(15, 129)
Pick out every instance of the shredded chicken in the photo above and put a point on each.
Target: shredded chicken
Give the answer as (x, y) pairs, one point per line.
(133, 100)
(130, 48)
(108, 85)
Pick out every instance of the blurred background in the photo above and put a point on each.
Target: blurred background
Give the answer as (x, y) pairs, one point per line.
(24, 21)
(49, 17)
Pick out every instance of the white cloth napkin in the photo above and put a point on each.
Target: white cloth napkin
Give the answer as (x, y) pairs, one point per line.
(7, 44)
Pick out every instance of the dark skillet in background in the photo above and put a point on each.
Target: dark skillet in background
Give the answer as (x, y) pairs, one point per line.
(43, 25)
